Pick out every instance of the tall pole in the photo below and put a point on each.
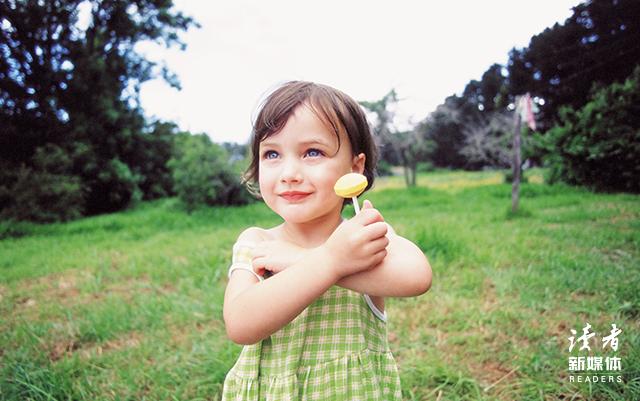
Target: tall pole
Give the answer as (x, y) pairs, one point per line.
(515, 186)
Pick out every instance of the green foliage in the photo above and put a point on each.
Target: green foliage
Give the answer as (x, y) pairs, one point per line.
(77, 89)
(490, 93)
(424, 167)
(155, 148)
(470, 131)
(405, 148)
(383, 128)
(446, 131)
(473, 130)
(599, 145)
(121, 182)
(597, 44)
(44, 193)
(384, 168)
(203, 174)
(44, 197)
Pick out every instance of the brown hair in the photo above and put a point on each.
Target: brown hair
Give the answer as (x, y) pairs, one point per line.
(338, 111)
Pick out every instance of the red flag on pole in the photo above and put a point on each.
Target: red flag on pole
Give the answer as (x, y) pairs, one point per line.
(526, 110)
(531, 121)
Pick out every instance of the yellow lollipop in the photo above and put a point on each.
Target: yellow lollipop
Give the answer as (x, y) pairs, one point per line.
(350, 186)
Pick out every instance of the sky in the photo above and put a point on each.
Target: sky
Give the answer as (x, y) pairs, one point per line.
(425, 50)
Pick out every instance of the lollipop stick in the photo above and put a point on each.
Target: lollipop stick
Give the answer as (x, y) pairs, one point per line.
(355, 204)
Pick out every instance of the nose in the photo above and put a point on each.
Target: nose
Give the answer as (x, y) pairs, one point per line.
(291, 171)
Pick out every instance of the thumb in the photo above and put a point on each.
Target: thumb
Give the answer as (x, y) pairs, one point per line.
(367, 204)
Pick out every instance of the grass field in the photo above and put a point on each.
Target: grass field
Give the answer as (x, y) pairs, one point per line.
(128, 306)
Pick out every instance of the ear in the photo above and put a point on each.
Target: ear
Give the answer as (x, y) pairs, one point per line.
(357, 165)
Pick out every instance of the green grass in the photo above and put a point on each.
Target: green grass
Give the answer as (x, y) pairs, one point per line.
(128, 305)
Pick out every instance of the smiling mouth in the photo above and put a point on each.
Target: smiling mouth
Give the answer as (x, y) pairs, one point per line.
(294, 197)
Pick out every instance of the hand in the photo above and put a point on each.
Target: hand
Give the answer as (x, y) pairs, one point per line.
(358, 244)
(275, 256)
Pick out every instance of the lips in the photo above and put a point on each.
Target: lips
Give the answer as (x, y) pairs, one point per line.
(294, 196)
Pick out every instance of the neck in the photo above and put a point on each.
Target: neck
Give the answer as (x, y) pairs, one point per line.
(313, 233)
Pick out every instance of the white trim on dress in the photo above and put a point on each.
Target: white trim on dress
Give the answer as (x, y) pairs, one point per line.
(380, 315)
(235, 265)
(243, 266)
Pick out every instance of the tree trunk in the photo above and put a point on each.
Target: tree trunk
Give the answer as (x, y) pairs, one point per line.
(413, 174)
(405, 170)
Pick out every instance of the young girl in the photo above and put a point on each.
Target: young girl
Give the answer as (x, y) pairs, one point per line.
(306, 297)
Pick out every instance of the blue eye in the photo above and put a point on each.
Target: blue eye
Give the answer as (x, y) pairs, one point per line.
(269, 153)
(314, 152)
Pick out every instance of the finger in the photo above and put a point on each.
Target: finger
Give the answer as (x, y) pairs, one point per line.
(376, 230)
(368, 216)
(379, 257)
(367, 204)
(377, 245)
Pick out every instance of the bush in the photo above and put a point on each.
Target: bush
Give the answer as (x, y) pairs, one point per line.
(599, 145)
(44, 193)
(383, 168)
(114, 187)
(425, 167)
(43, 197)
(203, 175)
(153, 152)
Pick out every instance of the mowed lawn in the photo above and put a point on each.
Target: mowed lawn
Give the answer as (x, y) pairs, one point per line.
(128, 306)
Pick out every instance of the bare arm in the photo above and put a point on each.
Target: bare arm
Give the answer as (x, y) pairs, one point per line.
(254, 310)
(404, 272)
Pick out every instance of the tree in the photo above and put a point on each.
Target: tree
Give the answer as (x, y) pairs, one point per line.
(157, 148)
(487, 140)
(597, 45)
(78, 89)
(598, 145)
(34, 73)
(203, 174)
(383, 127)
(406, 148)
(490, 93)
(445, 130)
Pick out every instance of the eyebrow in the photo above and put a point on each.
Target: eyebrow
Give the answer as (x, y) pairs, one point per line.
(303, 143)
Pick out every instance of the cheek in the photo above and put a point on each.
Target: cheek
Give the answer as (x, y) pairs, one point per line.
(265, 180)
(264, 186)
(325, 179)
(268, 181)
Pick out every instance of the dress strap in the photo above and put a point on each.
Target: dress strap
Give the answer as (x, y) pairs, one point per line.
(241, 259)
(235, 267)
(380, 315)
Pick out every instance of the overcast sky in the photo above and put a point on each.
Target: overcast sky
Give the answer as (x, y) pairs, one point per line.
(426, 50)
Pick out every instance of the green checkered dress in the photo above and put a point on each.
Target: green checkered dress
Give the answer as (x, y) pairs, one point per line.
(336, 349)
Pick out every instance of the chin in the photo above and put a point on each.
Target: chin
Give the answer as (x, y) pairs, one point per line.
(297, 218)
(302, 216)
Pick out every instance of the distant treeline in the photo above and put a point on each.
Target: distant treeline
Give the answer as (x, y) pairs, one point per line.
(74, 140)
(581, 76)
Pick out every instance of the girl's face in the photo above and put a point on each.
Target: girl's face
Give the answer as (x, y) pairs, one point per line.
(299, 167)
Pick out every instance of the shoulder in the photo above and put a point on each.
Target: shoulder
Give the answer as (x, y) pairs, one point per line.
(253, 234)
